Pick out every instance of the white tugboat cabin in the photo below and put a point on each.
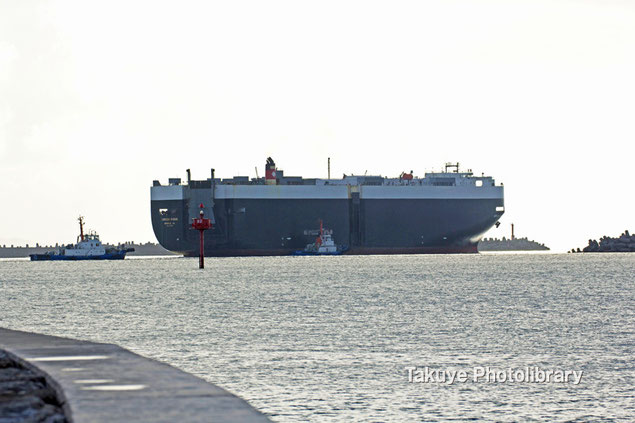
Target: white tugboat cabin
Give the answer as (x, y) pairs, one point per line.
(88, 245)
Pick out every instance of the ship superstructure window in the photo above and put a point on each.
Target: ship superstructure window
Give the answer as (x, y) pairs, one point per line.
(478, 183)
(443, 182)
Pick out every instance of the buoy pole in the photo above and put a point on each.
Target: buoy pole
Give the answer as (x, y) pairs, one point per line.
(201, 224)
(201, 257)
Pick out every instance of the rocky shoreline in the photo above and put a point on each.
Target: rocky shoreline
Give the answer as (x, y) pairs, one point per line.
(625, 243)
(25, 395)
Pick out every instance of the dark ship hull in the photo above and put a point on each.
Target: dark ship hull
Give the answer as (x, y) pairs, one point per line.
(117, 255)
(367, 216)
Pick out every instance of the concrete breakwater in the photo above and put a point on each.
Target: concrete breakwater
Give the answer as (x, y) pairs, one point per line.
(625, 243)
(79, 381)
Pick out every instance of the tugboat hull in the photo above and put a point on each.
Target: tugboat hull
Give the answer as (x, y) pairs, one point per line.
(315, 253)
(119, 255)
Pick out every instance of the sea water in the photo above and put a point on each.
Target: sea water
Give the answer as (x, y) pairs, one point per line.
(351, 338)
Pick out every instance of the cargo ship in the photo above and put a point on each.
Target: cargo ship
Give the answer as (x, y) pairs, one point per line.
(442, 212)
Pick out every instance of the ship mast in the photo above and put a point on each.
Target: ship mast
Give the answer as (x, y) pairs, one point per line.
(81, 227)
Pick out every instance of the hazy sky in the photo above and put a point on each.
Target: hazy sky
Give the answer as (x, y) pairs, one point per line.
(97, 99)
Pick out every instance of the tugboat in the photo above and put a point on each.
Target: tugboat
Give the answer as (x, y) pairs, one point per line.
(323, 245)
(88, 247)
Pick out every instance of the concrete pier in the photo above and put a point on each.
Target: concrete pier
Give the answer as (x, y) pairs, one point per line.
(107, 383)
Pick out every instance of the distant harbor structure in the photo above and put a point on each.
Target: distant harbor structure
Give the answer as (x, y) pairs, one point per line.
(512, 244)
(625, 243)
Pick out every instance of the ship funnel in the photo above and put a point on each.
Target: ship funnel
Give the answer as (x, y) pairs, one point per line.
(270, 172)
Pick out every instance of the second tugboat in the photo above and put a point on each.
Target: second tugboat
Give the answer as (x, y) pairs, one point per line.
(323, 245)
(88, 247)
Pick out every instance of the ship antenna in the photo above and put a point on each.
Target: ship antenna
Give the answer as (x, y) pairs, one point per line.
(81, 227)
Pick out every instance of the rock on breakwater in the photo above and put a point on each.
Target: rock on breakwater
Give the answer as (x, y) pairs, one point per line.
(25, 395)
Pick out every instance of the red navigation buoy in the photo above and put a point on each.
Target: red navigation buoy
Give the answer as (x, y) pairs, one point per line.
(201, 224)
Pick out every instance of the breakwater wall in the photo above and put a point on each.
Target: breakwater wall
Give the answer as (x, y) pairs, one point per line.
(93, 383)
(516, 244)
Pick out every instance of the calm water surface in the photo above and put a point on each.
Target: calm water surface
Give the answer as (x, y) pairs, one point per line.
(329, 338)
